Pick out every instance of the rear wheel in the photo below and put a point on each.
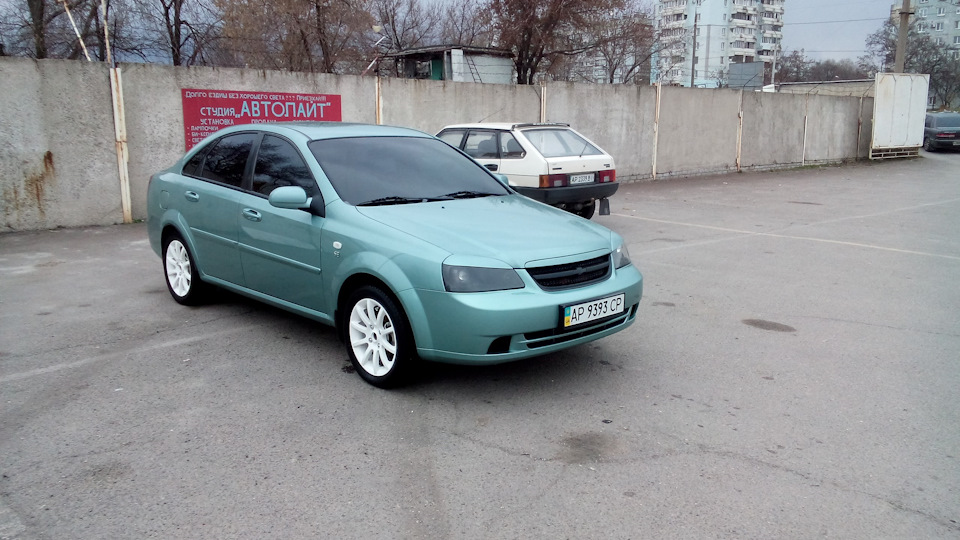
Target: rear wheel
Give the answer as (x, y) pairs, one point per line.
(927, 144)
(181, 272)
(378, 338)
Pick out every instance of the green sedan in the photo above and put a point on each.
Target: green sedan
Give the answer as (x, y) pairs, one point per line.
(404, 244)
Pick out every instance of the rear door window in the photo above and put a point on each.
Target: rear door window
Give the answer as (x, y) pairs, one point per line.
(509, 147)
(481, 144)
(227, 160)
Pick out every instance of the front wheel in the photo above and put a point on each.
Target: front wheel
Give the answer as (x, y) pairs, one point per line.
(181, 272)
(378, 338)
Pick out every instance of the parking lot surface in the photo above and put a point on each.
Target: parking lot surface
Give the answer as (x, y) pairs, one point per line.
(793, 373)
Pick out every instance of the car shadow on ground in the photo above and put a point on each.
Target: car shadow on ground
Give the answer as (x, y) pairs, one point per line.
(564, 368)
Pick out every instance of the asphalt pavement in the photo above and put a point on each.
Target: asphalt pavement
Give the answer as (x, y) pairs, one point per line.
(794, 372)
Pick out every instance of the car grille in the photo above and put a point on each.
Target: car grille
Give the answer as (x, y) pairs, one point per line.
(578, 274)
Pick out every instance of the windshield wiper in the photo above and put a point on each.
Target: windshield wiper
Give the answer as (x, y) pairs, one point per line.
(468, 194)
(397, 200)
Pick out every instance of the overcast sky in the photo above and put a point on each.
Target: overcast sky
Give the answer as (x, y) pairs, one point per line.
(829, 38)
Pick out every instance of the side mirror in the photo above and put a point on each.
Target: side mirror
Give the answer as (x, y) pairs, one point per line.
(292, 197)
(295, 198)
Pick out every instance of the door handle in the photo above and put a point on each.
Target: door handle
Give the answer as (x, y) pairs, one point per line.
(251, 214)
(491, 166)
(192, 196)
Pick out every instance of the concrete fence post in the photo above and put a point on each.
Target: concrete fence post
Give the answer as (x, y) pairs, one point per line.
(120, 131)
(543, 101)
(379, 97)
(740, 131)
(656, 130)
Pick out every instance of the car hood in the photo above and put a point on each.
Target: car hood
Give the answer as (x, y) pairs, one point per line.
(511, 228)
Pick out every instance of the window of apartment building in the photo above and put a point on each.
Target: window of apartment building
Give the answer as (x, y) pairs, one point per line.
(922, 12)
(921, 27)
(956, 40)
(941, 12)
(937, 26)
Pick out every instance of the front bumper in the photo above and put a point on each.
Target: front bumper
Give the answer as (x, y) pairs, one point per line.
(503, 326)
(569, 194)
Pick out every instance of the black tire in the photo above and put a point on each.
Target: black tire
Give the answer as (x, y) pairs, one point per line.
(587, 211)
(180, 272)
(927, 145)
(378, 338)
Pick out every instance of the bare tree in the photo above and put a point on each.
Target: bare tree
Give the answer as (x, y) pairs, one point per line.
(299, 35)
(407, 24)
(625, 42)
(923, 55)
(794, 66)
(182, 31)
(43, 29)
(467, 22)
(539, 33)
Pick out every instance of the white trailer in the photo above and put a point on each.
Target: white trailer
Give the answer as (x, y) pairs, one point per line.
(899, 109)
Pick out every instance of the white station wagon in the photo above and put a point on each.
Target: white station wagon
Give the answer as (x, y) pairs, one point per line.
(550, 163)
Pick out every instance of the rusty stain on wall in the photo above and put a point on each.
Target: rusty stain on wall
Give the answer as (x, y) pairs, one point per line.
(29, 195)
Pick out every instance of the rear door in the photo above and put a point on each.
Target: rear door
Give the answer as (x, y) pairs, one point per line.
(209, 204)
(483, 146)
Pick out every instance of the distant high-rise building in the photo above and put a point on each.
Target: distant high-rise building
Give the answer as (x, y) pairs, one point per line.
(938, 18)
(699, 39)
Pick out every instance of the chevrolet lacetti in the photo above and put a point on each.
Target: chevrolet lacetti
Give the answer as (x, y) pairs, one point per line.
(407, 246)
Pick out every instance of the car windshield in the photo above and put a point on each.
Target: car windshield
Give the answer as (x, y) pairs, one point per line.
(560, 143)
(948, 121)
(398, 170)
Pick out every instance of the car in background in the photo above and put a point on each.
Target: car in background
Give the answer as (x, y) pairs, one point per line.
(941, 131)
(408, 247)
(548, 162)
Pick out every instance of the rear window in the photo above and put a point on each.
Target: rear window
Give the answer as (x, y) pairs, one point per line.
(560, 143)
(364, 169)
(948, 121)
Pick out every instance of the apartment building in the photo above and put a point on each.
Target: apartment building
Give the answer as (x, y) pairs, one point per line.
(699, 39)
(938, 18)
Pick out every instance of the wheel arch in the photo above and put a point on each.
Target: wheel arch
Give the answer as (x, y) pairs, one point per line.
(351, 284)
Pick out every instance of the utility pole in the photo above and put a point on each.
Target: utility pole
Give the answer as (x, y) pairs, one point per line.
(693, 57)
(902, 37)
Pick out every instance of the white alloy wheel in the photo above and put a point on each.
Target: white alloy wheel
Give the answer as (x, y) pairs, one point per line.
(373, 337)
(179, 270)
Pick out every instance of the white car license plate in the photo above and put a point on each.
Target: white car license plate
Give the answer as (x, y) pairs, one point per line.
(581, 179)
(956, 143)
(593, 310)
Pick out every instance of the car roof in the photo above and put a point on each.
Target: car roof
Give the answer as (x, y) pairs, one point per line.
(327, 130)
(506, 126)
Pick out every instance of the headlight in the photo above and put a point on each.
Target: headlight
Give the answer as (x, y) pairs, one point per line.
(621, 257)
(473, 279)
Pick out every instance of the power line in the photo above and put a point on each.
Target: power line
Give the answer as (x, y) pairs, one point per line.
(836, 22)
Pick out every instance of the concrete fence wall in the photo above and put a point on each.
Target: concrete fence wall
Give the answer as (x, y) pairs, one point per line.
(58, 153)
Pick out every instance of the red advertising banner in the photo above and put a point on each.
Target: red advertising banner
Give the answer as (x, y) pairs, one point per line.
(206, 111)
